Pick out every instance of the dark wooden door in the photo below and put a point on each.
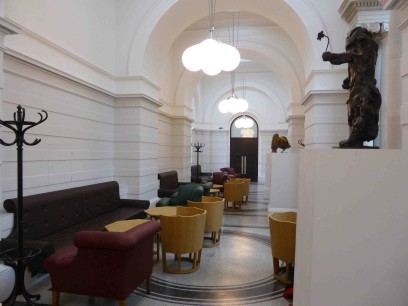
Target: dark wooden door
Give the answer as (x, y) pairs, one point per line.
(244, 152)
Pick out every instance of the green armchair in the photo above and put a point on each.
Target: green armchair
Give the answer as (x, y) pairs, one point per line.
(188, 192)
(207, 186)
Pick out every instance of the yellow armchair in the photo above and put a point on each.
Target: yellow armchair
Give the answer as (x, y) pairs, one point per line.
(183, 234)
(283, 241)
(214, 207)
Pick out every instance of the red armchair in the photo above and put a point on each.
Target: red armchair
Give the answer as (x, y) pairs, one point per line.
(219, 178)
(104, 264)
(231, 172)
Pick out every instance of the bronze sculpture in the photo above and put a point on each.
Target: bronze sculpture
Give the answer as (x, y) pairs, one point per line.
(364, 100)
(279, 142)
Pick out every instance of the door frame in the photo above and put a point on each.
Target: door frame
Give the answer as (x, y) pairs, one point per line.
(257, 142)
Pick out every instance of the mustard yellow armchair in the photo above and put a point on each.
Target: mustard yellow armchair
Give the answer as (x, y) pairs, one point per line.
(183, 234)
(283, 241)
(214, 207)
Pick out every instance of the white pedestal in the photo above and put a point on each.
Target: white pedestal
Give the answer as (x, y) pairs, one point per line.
(283, 184)
(351, 244)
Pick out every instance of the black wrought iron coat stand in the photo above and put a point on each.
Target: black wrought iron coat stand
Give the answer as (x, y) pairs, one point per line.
(197, 146)
(18, 258)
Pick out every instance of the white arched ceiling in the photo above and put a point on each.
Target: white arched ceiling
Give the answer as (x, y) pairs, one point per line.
(166, 20)
(270, 57)
(284, 88)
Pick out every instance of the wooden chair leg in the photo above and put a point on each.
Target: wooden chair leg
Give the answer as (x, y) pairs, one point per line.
(55, 298)
(122, 302)
(275, 266)
(148, 284)
(179, 262)
(164, 260)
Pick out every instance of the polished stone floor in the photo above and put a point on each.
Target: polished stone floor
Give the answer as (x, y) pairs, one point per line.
(237, 272)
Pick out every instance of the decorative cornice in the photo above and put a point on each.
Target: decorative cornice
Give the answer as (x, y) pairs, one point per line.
(321, 92)
(188, 119)
(7, 27)
(349, 9)
(394, 4)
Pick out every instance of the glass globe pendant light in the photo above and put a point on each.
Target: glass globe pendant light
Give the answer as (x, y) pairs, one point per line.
(233, 104)
(211, 56)
(244, 122)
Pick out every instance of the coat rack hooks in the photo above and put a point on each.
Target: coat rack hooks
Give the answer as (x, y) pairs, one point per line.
(18, 258)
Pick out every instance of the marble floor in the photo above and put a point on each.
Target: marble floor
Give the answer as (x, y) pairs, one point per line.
(237, 272)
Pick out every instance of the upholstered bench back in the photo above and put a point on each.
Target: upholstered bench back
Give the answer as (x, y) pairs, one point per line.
(50, 212)
(168, 180)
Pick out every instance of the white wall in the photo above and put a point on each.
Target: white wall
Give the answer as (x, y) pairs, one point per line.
(87, 29)
(351, 228)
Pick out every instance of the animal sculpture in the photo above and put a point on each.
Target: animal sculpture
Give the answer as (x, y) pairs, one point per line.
(280, 142)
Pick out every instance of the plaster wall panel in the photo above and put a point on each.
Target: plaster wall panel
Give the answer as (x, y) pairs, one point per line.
(76, 140)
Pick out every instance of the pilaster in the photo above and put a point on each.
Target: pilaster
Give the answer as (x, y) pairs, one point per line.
(296, 126)
(6, 28)
(181, 147)
(136, 146)
(6, 220)
(325, 118)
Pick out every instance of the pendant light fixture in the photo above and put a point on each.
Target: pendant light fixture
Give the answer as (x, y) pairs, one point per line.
(211, 56)
(233, 104)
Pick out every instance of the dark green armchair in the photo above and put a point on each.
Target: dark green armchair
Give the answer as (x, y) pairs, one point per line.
(188, 192)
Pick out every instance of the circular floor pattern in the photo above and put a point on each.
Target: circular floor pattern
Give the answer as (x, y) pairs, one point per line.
(228, 286)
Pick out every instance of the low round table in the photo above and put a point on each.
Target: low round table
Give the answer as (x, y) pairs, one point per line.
(156, 212)
(217, 186)
(124, 225)
(214, 191)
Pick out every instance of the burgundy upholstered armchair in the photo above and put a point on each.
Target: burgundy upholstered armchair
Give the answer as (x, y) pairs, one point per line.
(104, 264)
(219, 178)
(231, 172)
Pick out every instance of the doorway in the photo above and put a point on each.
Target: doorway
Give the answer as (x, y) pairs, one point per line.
(244, 148)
